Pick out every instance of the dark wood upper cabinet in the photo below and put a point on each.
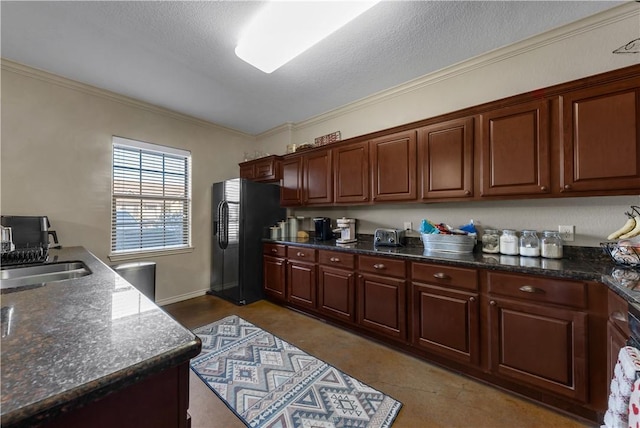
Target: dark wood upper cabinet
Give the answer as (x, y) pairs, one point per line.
(291, 184)
(515, 153)
(265, 169)
(351, 173)
(318, 178)
(601, 138)
(445, 159)
(393, 167)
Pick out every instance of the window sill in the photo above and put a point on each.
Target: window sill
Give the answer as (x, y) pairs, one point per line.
(150, 253)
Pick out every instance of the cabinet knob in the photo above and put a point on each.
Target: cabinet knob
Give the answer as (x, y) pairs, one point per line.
(299, 254)
(619, 316)
(493, 303)
(379, 266)
(543, 188)
(472, 299)
(441, 275)
(334, 259)
(467, 192)
(567, 187)
(530, 289)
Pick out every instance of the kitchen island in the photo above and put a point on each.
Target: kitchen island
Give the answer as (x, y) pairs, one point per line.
(92, 351)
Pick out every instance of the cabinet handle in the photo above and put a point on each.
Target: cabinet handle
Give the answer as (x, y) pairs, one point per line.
(379, 266)
(472, 299)
(441, 275)
(543, 188)
(493, 303)
(299, 254)
(467, 192)
(273, 250)
(530, 289)
(334, 259)
(567, 187)
(619, 316)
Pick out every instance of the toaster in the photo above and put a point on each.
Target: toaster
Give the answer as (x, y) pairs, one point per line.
(388, 237)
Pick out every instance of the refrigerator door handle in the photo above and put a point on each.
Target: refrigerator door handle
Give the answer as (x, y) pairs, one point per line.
(223, 236)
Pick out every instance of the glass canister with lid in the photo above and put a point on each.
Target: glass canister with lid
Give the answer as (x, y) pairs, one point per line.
(551, 244)
(491, 241)
(529, 244)
(509, 242)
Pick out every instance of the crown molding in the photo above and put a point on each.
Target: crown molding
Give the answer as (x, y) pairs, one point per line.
(45, 76)
(602, 19)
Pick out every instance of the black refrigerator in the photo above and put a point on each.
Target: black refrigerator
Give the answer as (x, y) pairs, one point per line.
(240, 211)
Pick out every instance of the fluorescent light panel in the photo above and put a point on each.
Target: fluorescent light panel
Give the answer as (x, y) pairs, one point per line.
(283, 30)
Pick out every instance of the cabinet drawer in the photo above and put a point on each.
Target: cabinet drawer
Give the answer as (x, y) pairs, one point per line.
(301, 254)
(618, 310)
(336, 259)
(265, 170)
(275, 250)
(540, 289)
(382, 266)
(445, 275)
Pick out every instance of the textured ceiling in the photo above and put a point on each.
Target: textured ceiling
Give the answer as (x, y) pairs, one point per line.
(180, 55)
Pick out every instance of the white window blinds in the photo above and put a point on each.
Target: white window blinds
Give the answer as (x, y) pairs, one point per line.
(151, 197)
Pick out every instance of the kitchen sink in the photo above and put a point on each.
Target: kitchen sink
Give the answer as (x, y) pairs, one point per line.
(30, 275)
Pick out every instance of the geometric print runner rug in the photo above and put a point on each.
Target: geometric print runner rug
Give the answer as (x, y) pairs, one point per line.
(268, 382)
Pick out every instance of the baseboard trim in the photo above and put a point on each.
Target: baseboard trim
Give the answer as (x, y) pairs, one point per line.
(181, 297)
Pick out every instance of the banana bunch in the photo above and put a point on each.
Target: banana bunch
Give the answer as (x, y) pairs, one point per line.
(631, 228)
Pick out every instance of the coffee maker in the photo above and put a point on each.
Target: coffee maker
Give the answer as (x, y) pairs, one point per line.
(347, 228)
(323, 228)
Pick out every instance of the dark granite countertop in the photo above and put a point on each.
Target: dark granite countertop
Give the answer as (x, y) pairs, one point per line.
(71, 342)
(583, 263)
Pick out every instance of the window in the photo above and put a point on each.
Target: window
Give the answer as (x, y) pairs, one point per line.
(151, 207)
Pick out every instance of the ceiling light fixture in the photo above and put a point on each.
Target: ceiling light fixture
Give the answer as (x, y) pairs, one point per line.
(283, 30)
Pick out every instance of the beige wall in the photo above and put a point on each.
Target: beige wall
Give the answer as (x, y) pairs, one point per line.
(569, 53)
(56, 161)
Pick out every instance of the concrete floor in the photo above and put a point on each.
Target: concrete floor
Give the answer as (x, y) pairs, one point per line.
(431, 396)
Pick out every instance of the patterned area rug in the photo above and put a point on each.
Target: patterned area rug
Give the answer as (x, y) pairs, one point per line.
(268, 382)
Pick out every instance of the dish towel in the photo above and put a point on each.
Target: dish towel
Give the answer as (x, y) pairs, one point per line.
(624, 396)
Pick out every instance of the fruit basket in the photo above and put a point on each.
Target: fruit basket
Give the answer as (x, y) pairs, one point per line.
(622, 254)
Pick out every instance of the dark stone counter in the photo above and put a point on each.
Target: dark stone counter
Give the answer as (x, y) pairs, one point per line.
(584, 263)
(68, 343)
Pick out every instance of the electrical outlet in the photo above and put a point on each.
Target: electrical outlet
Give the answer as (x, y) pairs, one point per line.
(408, 225)
(566, 233)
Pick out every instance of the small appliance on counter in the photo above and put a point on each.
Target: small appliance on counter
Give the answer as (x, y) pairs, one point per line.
(30, 238)
(323, 228)
(347, 227)
(388, 238)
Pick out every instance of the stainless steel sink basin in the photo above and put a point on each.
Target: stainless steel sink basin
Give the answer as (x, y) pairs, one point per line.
(30, 275)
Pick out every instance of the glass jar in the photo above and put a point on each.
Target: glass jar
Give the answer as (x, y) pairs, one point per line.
(490, 241)
(529, 244)
(551, 244)
(509, 242)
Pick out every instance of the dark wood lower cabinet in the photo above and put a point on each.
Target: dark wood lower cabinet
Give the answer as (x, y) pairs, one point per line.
(382, 305)
(274, 277)
(539, 346)
(336, 293)
(159, 401)
(446, 322)
(301, 281)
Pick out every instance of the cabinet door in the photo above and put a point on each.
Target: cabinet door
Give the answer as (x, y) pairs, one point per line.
(446, 322)
(601, 138)
(393, 164)
(291, 187)
(515, 150)
(318, 179)
(247, 171)
(274, 277)
(617, 339)
(382, 305)
(351, 173)
(541, 346)
(336, 291)
(445, 159)
(301, 284)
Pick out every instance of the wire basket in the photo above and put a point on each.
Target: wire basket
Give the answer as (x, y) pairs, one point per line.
(449, 243)
(621, 254)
